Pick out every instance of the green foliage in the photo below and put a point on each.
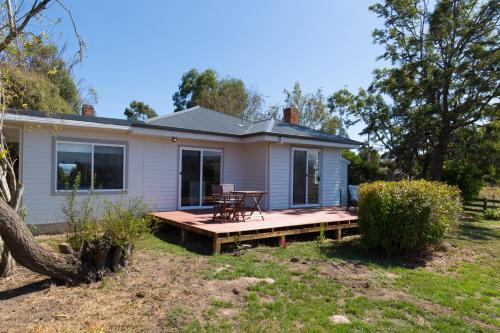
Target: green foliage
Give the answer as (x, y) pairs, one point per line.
(192, 86)
(466, 176)
(139, 111)
(313, 110)
(28, 90)
(367, 166)
(407, 216)
(492, 214)
(117, 223)
(227, 95)
(126, 221)
(37, 77)
(442, 78)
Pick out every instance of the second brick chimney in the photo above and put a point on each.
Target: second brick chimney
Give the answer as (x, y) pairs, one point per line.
(88, 110)
(291, 115)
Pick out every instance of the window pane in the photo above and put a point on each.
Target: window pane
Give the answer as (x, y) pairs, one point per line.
(73, 159)
(313, 177)
(211, 174)
(108, 167)
(299, 177)
(190, 184)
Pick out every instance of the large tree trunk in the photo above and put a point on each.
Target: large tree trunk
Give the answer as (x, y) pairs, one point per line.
(28, 253)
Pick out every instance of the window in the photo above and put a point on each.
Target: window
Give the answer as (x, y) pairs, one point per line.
(100, 166)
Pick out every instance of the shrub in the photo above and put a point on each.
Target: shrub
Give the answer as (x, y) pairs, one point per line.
(407, 216)
(125, 221)
(492, 214)
(103, 232)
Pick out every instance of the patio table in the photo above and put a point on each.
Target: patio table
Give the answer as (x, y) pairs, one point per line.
(255, 196)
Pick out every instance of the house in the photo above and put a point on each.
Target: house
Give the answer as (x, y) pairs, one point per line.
(172, 160)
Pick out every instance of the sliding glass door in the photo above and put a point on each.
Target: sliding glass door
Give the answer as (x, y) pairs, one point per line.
(199, 170)
(305, 177)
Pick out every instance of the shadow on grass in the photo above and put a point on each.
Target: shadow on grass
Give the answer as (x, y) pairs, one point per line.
(474, 231)
(29, 288)
(193, 242)
(354, 251)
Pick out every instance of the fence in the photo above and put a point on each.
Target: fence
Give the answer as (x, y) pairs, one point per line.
(479, 205)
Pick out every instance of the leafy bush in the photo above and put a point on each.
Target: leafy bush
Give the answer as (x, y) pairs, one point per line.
(407, 216)
(119, 223)
(125, 221)
(492, 214)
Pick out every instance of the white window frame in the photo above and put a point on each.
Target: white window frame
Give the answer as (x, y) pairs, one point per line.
(201, 150)
(92, 144)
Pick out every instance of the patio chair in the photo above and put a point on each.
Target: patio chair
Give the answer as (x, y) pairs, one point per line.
(353, 197)
(226, 204)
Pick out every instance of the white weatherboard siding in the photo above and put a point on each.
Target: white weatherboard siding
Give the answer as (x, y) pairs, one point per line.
(152, 169)
(279, 176)
(330, 177)
(343, 170)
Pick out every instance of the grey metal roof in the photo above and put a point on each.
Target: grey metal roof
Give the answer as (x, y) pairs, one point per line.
(76, 117)
(209, 121)
(202, 120)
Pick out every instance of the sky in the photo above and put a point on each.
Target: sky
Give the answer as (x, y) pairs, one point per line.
(138, 50)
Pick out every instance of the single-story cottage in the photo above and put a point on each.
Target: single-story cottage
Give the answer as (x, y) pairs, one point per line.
(172, 160)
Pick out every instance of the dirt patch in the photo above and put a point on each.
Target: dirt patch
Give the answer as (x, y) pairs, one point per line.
(446, 256)
(150, 295)
(139, 297)
(234, 291)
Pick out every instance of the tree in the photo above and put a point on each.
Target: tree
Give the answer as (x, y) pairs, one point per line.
(313, 110)
(443, 79)
(368, 166)
(139, 111)
(18, 241)
(227, 95)
(38, 77)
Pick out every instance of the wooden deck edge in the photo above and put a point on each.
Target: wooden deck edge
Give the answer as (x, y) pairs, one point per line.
(279, 233)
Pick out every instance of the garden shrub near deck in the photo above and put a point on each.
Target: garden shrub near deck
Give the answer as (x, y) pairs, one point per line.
(407, 216)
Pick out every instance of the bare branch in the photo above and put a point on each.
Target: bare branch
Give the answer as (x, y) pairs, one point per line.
(81, 43)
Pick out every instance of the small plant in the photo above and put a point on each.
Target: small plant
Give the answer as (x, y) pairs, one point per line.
(321, 237)
(492, 214)
(283, 243)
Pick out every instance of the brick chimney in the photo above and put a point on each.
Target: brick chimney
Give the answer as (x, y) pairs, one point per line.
(88, 110)
(291, 115)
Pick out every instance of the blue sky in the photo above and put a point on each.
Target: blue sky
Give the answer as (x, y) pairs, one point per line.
(140, 49)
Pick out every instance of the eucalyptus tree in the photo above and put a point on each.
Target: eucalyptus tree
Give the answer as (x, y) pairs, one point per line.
(442, 77)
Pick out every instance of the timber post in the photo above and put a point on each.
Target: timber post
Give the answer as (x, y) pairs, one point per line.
(216, 245)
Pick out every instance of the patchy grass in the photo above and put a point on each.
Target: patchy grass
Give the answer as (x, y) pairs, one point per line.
(172, 288)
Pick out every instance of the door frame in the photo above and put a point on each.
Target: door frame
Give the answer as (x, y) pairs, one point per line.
(320, 185)
(179, 175)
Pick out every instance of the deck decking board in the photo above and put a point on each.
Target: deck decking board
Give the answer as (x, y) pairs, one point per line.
(277, 223)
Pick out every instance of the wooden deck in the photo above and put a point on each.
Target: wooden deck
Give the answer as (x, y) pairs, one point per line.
(277, 223)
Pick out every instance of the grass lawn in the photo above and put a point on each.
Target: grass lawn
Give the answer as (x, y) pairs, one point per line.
(273, 289)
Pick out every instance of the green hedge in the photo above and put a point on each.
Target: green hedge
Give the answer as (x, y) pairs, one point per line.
(407, 216)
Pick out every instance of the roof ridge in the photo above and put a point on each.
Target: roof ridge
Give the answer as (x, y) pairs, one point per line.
(270, 125)
(168, 115)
